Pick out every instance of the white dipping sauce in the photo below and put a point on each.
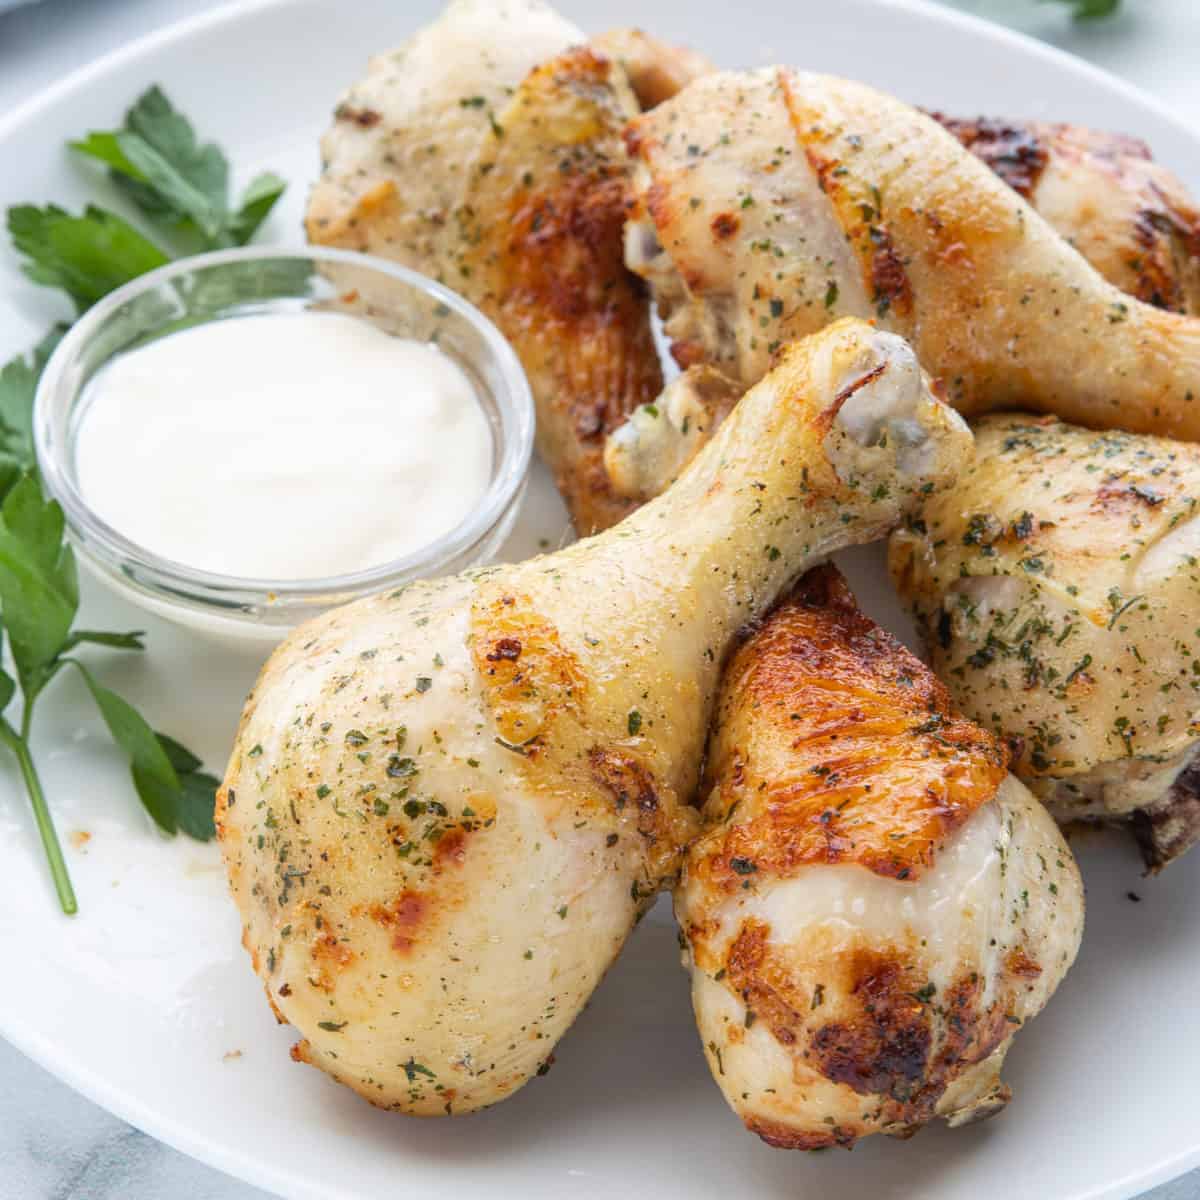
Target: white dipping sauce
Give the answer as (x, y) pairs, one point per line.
(283, 446)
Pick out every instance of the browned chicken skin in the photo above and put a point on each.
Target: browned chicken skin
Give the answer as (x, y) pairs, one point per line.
(438, 869)
(416, 171)
(771, 201)
(875, 906)
(1130, 217)
(513, 187)
(486, 152)
(774, 226)
(1055, 588)
(542, 251)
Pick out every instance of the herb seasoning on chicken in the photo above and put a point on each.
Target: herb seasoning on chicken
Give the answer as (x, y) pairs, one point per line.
(423, 782)
(875, 906)
(486, 153)
(1056, 588)
(771, 201)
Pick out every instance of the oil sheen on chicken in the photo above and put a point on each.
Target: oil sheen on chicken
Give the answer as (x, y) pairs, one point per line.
(875, 907)
(1056, 590)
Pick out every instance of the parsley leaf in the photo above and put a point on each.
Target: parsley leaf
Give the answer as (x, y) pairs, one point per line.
(18, 385)
(39, 598)
(157, 160)
(39, 589)
(115, 641)
(181, 183)
(87, 256)
(153, 775)
(257, 201)
(161, 143)
(1090, 10)
(198, 791)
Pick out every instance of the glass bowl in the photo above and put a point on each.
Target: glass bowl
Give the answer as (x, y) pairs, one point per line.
(234, 283)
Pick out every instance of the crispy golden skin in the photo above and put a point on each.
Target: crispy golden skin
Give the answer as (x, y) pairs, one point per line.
(825, 702)
(875, 906)
(1056, 591)
(770, 202)
(542, 252)
(447, 805)
(1130, 217)
(510, 186)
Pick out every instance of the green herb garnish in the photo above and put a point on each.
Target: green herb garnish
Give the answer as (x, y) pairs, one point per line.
(181, 185)
(39, 600)
(86, 256)
(1090, 10)
(412, 1069)
(177, 181)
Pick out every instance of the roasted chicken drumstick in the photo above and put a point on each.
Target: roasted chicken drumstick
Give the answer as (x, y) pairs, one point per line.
(875, 906)
(446, 806)
(486, 152)
(1056, 591)
(1130, 217)
(488, 155)
(771, 201)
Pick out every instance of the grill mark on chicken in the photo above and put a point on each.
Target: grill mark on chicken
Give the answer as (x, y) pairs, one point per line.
(725, 225)
(451, 849)
(529, 676)
(633, 790)
(784, 1137)
(905, 1045)
(889, 282)
(364, 118)
(330, 956)
(1114, 495)
(506, 649)
(402, 918)
(1019, 963)
(756, 978)
(891, 1038)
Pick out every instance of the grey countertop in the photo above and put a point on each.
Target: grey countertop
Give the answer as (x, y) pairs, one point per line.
(54, 1145)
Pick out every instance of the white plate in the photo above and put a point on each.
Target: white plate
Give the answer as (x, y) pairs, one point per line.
(145, 1001)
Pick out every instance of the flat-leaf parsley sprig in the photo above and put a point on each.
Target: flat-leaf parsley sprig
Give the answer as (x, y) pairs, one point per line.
(181, 186)
(1091, 10)
(39, 601)
(178, 182)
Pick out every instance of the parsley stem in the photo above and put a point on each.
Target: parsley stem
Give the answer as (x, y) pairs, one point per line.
(45, 823)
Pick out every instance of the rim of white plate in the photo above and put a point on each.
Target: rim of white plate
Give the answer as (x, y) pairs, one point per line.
(237, 1163)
